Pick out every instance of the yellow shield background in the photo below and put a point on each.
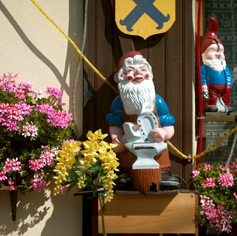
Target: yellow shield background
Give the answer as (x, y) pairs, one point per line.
(145, 25)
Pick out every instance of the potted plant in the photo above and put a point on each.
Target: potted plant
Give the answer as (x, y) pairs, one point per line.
(32, 128)
(216, 185)
(91, 165)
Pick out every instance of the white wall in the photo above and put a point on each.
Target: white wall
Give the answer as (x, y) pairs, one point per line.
(41, 214)
(33, 48)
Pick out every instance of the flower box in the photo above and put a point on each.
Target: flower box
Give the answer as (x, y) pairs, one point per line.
(150, 213)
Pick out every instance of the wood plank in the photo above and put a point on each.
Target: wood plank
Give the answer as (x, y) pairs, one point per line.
(220, 117)
(188, 81)
(105, 64)
(5, 188)
(156, 47)
(174, 88)
(150, 213)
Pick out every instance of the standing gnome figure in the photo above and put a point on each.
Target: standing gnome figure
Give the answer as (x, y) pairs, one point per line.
(216, 76)
(140, 123)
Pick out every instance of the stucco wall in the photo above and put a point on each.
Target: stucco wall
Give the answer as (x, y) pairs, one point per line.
(41, 214)
(33, 48)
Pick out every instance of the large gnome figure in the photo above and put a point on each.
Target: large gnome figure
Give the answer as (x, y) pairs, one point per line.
(216, 76)
(137, 95)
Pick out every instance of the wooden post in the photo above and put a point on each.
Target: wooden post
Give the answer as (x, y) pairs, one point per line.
(13, 197)
(144, 178)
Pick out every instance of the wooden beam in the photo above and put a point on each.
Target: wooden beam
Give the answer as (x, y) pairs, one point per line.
(220, 117)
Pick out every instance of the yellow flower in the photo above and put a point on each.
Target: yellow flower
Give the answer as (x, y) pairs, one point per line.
(97, 158)
(91, 145)
(65, 161)
(96, 136)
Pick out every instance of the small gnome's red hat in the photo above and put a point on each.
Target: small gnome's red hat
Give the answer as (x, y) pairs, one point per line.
(125, 56)
(210, 35)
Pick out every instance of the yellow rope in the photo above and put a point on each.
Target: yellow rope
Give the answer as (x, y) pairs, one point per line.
(204, 152)
(111, 86)
(77, 49)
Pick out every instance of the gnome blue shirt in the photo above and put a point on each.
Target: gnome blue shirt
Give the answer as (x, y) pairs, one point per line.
(116, 115)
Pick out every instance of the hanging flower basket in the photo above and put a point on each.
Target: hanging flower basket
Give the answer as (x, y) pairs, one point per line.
(32, 128)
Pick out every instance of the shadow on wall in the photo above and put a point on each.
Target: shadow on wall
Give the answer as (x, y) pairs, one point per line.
(30, 211)
(32, 47)
(40, 214)
(66, 218)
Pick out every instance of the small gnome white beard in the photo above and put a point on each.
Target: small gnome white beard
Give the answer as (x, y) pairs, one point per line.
(215, 64)
(137, 98)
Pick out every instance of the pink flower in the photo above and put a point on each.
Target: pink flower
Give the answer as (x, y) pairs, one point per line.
(8, 76)
(63, 189)
(234, 164)
(218, 216)
(11, 113)
(207, 166)
(11, 185)
(27, 86)
(8, 84)
(61, 119)
(195, 173)
(36, 164)
(38, 183)
(47, 157)
(226, 179)
(12, 165)
(221, 167)
(234, 193)
(35, 94)
(56, 117)
(29, 130)
(3, 176)
(57, 93)
(208, 207)
(209, 182)
(61, 104)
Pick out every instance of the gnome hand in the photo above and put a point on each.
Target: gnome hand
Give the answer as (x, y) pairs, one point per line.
(205, 94)
(120, 146)
(162, 134)
(116, 135)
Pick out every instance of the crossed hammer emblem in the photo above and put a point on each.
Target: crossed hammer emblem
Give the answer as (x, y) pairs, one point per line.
(144, 7)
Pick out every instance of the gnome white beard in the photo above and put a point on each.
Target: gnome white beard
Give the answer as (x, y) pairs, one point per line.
(137, 98)
(215, 64)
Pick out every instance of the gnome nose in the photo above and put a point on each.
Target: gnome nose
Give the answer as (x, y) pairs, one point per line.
(218, 55)
(137, 71)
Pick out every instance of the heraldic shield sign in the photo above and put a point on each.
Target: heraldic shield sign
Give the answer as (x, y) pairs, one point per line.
(144, 17)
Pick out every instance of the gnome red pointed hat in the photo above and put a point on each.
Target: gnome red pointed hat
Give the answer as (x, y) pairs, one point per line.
(210, 35)
(125, 56)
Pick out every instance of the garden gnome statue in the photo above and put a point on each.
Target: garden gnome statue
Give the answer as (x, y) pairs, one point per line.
(216, 76)
(140, 123)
